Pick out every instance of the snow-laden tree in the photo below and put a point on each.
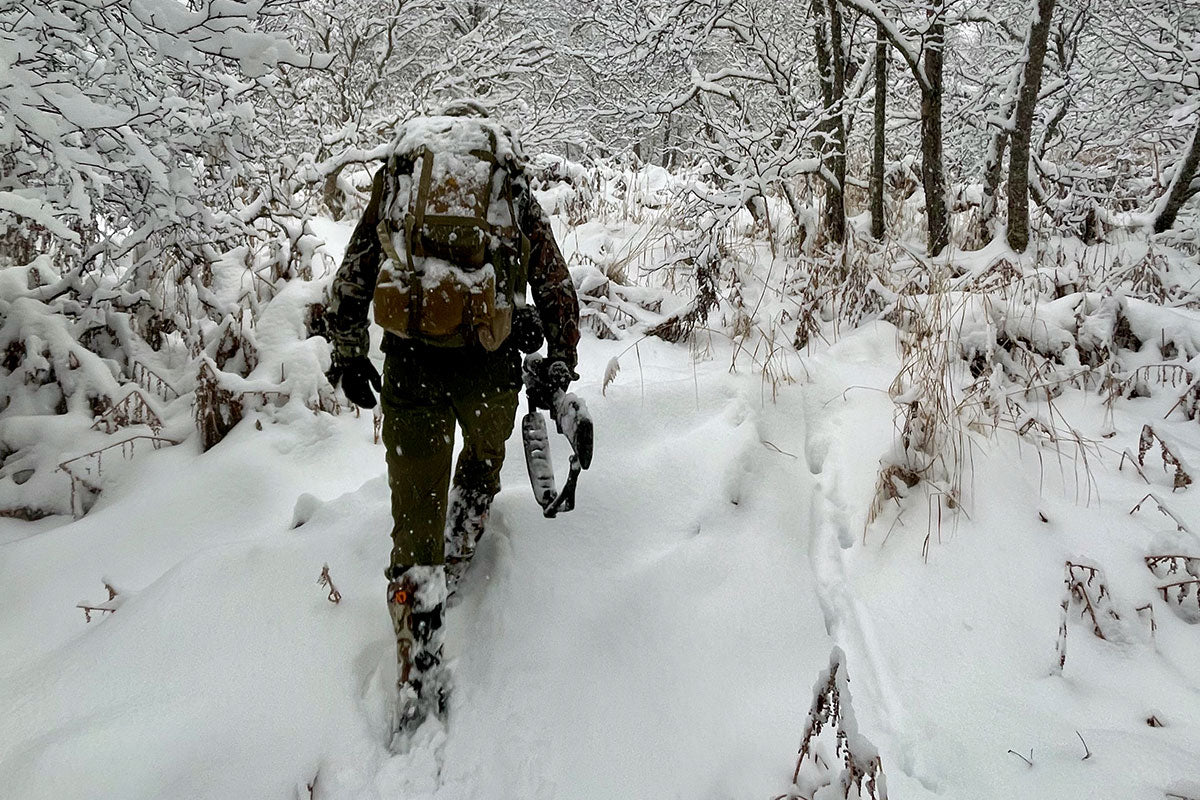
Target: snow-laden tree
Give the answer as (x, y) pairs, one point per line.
(1162, 49)
(1116, 138)
(134, 166)
(734, 88)
(393, 59)
(124, 124)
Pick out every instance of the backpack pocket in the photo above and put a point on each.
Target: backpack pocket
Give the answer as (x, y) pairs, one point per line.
(442, 305)
(395, 300)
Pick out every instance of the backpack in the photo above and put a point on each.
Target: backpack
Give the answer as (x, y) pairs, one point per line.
(455, 256)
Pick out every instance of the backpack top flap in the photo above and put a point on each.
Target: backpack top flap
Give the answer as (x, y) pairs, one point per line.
(454, 163)
(457, 135)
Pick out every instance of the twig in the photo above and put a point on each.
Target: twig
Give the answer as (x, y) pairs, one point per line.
(1149, 609)
(108, 607)
(334, 595)
(772, 446)
(1179, 524)
(1028, 761)
(1085, 747)
(1078, 588)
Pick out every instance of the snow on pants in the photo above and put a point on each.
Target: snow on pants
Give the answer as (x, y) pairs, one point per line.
(422, 402)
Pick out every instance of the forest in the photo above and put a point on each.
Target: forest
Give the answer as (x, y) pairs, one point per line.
(891, 315)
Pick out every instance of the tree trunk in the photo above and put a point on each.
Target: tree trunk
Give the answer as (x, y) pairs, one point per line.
(831, 70)
(927, 68)
(666, 160)
(1181, 184)
(933, 176)
(877, 153)
(839, 123)
(993, 165)
(1018, 158)
(993, 172)
(331, 195)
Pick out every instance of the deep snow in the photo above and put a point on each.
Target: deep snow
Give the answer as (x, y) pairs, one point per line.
(662, 640)
(658, 640)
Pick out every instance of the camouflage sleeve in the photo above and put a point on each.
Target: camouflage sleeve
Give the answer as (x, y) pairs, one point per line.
(551, 285)
(354, 285)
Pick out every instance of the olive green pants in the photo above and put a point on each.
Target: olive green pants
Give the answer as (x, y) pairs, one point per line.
(422, 403)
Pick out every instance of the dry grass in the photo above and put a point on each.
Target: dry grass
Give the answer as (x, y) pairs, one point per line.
(859, 772)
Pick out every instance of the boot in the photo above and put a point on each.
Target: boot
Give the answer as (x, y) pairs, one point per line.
(465, 523)
(416, 599)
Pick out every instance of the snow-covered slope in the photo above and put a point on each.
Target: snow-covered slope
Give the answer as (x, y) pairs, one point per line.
(660, 641)
(953, 657)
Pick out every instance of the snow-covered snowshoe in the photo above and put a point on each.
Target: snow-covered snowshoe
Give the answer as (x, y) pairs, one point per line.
(416, 600)
(571, 417)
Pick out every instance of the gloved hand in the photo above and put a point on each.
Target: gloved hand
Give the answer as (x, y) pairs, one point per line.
(556, 375)
(544, 377)
(527, 330)
(357, 376)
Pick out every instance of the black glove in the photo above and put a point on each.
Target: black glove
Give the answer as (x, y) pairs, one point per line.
(544, 377)
(556, 375)
(357, 375)
(527, 330)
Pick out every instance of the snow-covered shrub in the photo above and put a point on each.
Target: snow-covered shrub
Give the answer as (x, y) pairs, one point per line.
(835, 759)
(992, 343)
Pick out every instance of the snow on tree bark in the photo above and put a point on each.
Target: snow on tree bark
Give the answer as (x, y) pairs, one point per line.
(1027, 97)
(1183, 184)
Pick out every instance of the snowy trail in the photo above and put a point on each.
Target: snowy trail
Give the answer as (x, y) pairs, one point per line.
(849, 394)
(659, 641)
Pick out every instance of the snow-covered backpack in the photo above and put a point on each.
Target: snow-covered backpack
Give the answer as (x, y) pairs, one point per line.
(455, 256)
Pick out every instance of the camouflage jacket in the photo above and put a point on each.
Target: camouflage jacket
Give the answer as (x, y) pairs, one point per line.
(549, 281)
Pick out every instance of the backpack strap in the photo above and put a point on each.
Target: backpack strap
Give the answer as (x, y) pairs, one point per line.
(520, 276)
(414, 222)
(384, 232)
(488, 156)
(382, 228)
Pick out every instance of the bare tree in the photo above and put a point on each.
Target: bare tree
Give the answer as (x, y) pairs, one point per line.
(878, 141)
(925, 58)
(1027, 97)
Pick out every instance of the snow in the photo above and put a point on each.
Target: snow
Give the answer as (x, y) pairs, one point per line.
(204, 691)
(455, 135)
(38, 211)
(662, 639)
(658, 641)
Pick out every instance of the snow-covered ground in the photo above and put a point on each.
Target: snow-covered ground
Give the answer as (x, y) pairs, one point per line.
(660, 641)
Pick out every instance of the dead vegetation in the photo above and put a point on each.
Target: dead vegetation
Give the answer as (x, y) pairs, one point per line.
(326, 580)
(109, 606)
(832, 751)
(134, 409)
(1088, 592)
(1182, 587)
(85, 471)
(1170, 458)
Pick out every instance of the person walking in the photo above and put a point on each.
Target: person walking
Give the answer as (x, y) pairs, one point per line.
(445, 251)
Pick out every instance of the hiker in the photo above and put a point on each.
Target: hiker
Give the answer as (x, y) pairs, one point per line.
(450, 239)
